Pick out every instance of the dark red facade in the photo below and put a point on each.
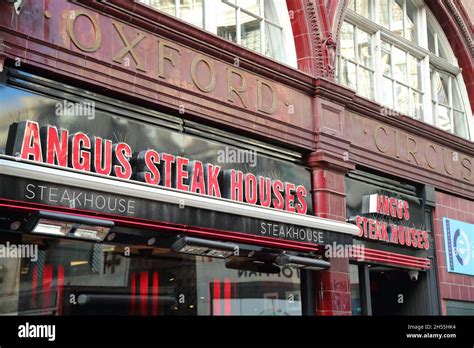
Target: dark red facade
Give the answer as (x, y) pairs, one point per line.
(332, 127)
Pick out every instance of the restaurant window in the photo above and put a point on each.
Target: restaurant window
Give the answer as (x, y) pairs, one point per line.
(68, 277)
(395, 53)
(259, 25)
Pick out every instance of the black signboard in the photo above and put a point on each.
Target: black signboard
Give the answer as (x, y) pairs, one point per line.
(390, 218)
(58, 195)
(140, 132)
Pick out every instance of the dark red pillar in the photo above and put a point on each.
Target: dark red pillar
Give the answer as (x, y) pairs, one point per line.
(329, 165)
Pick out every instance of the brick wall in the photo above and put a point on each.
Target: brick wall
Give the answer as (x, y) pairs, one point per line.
(452, 286)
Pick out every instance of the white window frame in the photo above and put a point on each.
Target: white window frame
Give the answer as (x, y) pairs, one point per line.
(419, 51)
(356, 61)
(210, 24)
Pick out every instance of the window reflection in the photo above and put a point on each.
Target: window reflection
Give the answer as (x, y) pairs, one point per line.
(362, 7)
(355, 56)
(414, 66)
(396, 20)
(355, 289)
(364, 46)
(386, 59)
(387, 92)
(366, 82)
(347, 41)
(80, 278)
(349, 74)
(250, 5)
(384, 13)
(447, 103)
(399, 64)
(460, 124)
(262, 26)
(401, 93)
(411, 20)
(191, 11)
(399, 16)
(250, 33)
(227, 22)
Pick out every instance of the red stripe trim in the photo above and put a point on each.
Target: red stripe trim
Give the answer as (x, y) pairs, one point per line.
(154, 293)
(402, 256)
(142, 223)
(144, 293)
(382, 259)
(227, 297)
(47, 286)
(216, 297)
(34, 285)
(60, 289)
(396, 259)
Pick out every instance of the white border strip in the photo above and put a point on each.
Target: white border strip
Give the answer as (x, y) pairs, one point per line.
(145, 191)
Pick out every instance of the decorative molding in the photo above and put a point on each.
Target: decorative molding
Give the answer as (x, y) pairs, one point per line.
(329, 57)
(324, 39)
(316, 35)
(466, 33)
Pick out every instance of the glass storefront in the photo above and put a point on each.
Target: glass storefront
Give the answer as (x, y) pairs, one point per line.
(65, 277)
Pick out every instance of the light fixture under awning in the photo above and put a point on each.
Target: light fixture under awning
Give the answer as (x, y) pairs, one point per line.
(204, 247)
(65, 225)
(302, 262)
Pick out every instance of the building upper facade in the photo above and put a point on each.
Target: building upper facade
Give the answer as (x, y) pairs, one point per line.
(396, 53)
(338, 82)
(393, 52)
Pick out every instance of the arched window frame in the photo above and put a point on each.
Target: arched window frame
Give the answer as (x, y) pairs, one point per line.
(419, 50)
(208, 22)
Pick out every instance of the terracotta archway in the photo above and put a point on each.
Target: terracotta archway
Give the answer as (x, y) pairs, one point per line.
(315, 25)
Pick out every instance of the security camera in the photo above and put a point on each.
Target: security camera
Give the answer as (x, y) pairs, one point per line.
(413, 275)
(18, 4)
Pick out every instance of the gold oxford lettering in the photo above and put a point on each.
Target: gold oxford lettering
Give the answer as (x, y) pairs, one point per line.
(202, 70)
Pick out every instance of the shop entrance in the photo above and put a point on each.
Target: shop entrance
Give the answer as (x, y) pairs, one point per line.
(390, 290)
(384, 290)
